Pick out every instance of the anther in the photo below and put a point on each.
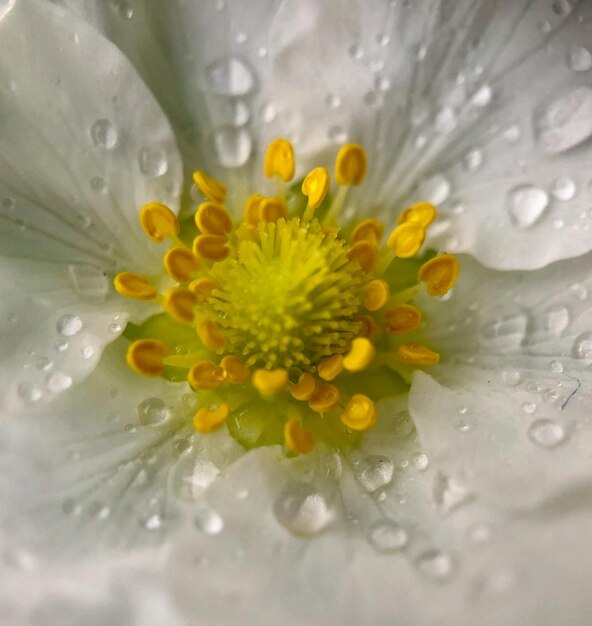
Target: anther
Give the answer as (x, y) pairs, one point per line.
(209, 420)
(205, 375)
(360, 355)
(213, 219)
(146, 356)
(365, 254)
(158, 221)
(234, 370)
(134, 286)
(252, 213)
(315, 186)
(180, 264)
(269, 382)
(296, 438)
(406, 239)
(279, 160)
(350, 165)
(210, 335)
(360, 413)
(202, 288)
(402, 318)
(330, 368)
(304, 388)
(210, 187)
(211, 247)
(377, 293)
(272, 209)
(369, 328)
(180, 303)
(370, 230)
(413, 353)
(325, 398)
(423, 213)
(439, 274)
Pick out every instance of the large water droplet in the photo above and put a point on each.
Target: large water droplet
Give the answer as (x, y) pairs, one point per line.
(579, 59)
(565, 121)
(526, 204)
(387, 536)
(68, 325)
(582, 348)
(233, 146)
(153, 162)
(208, 521)
(436, 565)
(103, 134)
(229, 77)
(557, 320)
(58, 382)
(546, 433)
(374, 472)
(302, 511)
(153, 412)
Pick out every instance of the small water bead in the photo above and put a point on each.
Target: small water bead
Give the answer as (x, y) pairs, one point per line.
(58, 382)
(262, 52)
(556, 367)
(241, 37)
(153, 412)
(533, 387)
(558, 223)
(473, 160)
(302, 511)
(61, 345)
(387, 536)
(233, 146)
(582, 348)
(208, 521)
(382, 39)
(8, 203)
(44, 363)
(69, 325)
(557, 320)
(445, 121)
(153, 522)
(479, 534)
(87, 352)
(12, 317)
(528, 408)
(403, 426)
(269, 112)
(123, 8)
(84, 221)
(435, 189)
(235, 113)
(153, 162)
(229, 77)
(98, 184)
(437, 565)
(482, 97)
(29, 392)
(546, 433)
(20, 224)
(512, 133)
(550, 396)
(374, 472)
(115, 328)
(579, 59)
(355, 51)
(103, 134)
(420, 461)
(562, 7)
(579, 291)
(71, 507)
(337, 135)
(563, 188)
(526, 205)
(333, 101)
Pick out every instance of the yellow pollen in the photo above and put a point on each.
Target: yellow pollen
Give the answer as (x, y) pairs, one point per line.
(134, 286)
(296, 438)
(304, 388)
(407, 239)
(234, 370)
(211, 247)
(279, 160)
(360, 413)
(365, 254)
(331, 368)
(413, 353)
(158, 221)
(146, 356)
(369, 327)
(350, 165)
(180, 303)
(180, 264)
(370, 230)
(272, 209)
(202, 288)
(205, 375)
(377, 293)
(210, 335)
(360, 355)
(210, 187)
(423, 213)
(325, 398)
(213, 219)
(315, 187)
(209, 420)
(402, 318)
(252, 212)
(439, 274)
(269, 382)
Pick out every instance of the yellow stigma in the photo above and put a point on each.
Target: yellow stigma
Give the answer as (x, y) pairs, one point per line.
(286, 321)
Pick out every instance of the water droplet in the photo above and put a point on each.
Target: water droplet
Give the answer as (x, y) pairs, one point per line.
(374, 472)
(403, 425)
(153, 412)
(579, 291)
(153, 162)
(5, 6)
(473, 160)
(235, 113)
(337, 134)
(479, 534)
(435, 189)
(269, 112)
(233, 146)
(563, 188)
(420, 461)
(482, 97)
(98, 184)
(87, 352)
(208, 521)
(526, 204)
(115, 328)
(546, 433)
(241, 37)
(84, 221)
(103, 134)
(528, 408)
(582, 348)
(29, 392)
(68, 325)
(445, 121)
(8, 203)
(229, 77)
(557, 320)
(262, 52)
(44, 363)
(565, 121)
(561, 7)
(355, 51)
(333, 101)
(512, 133)
(436, 565)
(556, 367)
(123, 9)
(382, 39)
(58, 382)
(302, 511)
(152, 522)
(71, 507)
(387, 536)
(544, 26)
(449, 493)
(579, 59)
(61, 345)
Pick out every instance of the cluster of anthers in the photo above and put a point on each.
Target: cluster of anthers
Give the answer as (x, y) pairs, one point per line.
(285, 325)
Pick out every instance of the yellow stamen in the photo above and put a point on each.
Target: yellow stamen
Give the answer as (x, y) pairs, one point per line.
(252, 212)
(360, 355)
(180, 303)
(330, 368)
(377, 293)
(413, 353)
(210, 335)
(325, 398)
(365, 254)
(209, 420)
(304, 388)
(211, 247)
(213, 219)
(370, 230)
(146, 356)
(269, 382)
(297, 439)
(350, 165)
(439, 274)
(180, 263)
(202, 288)
(423, 213)
(360, 413)
(210, 187)
(134, 286)
(234, 370)
(406, 239)
(402, 318)
(369, 327)
(158, 221)
(279, 160)
(205, 375)
(272, 209)
(315, 187)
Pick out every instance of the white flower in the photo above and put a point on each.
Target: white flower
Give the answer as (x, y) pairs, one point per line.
(469, 503)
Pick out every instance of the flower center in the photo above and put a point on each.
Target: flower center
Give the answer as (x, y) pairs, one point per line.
(288, 327)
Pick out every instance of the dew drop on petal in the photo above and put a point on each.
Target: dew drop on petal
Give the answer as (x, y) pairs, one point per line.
(98, 184)
(582, 348)
(153, 412)
(579, 291)
(152, 522)
(579, 59)
(482, 97)
(69, 325)
(436, 565)
(563, 188)
(473, 160)
(123, 8)
(435, 189)
(103, 134)
(546, 433)
(374, 472)
(87, 352)
(58, 382)
(229, 77)
(44, 363)
(153, 162)
(528, 408)
(29, 392)
(235, 113)
(233, 145)
(208, 521)
(333, 101)
(562, 7)
(420, 461)
(526, 204)
(445, 121)
(302, 510)
(556, 367)
(387, 536)
(337, 134)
